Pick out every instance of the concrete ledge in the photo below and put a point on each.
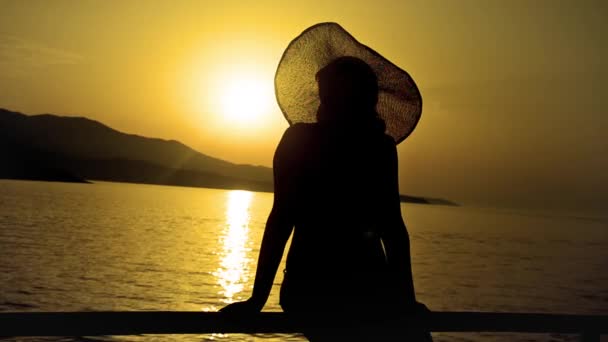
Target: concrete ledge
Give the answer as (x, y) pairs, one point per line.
(189, 322)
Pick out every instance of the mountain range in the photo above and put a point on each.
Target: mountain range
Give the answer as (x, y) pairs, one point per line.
(76, 149)
(51, 147)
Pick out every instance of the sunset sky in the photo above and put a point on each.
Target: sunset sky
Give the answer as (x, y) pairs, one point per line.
(514, 92)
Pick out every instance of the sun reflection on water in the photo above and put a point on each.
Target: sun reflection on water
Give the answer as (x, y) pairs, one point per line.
(233, 273)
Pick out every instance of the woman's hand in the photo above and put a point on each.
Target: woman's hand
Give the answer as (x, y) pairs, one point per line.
(248, 307)
(421, 309)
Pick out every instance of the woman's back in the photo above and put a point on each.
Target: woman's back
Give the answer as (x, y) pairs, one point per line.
(338, 190)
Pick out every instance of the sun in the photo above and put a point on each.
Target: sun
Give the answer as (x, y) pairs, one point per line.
(245, 99)
(230, 94)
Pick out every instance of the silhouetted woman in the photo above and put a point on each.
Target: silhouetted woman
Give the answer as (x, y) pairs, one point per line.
(348, 269)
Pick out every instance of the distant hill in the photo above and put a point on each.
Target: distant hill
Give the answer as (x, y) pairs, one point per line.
(425, 200)
(74, 149)
(63, 148)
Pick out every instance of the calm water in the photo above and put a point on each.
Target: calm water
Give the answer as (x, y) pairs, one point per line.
(113, 246)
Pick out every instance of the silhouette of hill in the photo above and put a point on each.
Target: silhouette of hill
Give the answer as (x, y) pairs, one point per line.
(26, 162)
(425, 200)
(74, 149)
(52, 147)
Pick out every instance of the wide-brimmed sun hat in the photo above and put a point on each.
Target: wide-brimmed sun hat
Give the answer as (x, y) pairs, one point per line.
(296, 89)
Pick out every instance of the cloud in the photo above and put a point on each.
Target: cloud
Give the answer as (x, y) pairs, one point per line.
(22, 55)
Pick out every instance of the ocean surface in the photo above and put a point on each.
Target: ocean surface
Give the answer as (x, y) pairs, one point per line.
(115, 246)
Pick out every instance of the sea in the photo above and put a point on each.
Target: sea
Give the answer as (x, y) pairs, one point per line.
(118, 246)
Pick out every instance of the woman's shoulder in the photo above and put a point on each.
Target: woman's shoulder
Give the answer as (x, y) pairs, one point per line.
(296, 139)
(302, 128)
(310, 134)
(300, 134)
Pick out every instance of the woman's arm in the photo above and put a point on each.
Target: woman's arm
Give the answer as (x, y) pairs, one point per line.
(276, 234)
(395, 237)
(278, 229)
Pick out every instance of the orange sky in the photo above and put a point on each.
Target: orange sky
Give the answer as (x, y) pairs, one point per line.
(514, 93)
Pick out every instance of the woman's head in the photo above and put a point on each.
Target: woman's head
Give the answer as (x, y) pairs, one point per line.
(347, 87)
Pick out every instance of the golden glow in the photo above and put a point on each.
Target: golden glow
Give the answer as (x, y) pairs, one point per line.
(233, 272)
(231, 87)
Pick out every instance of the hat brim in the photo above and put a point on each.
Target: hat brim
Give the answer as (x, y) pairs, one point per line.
(296, 89)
